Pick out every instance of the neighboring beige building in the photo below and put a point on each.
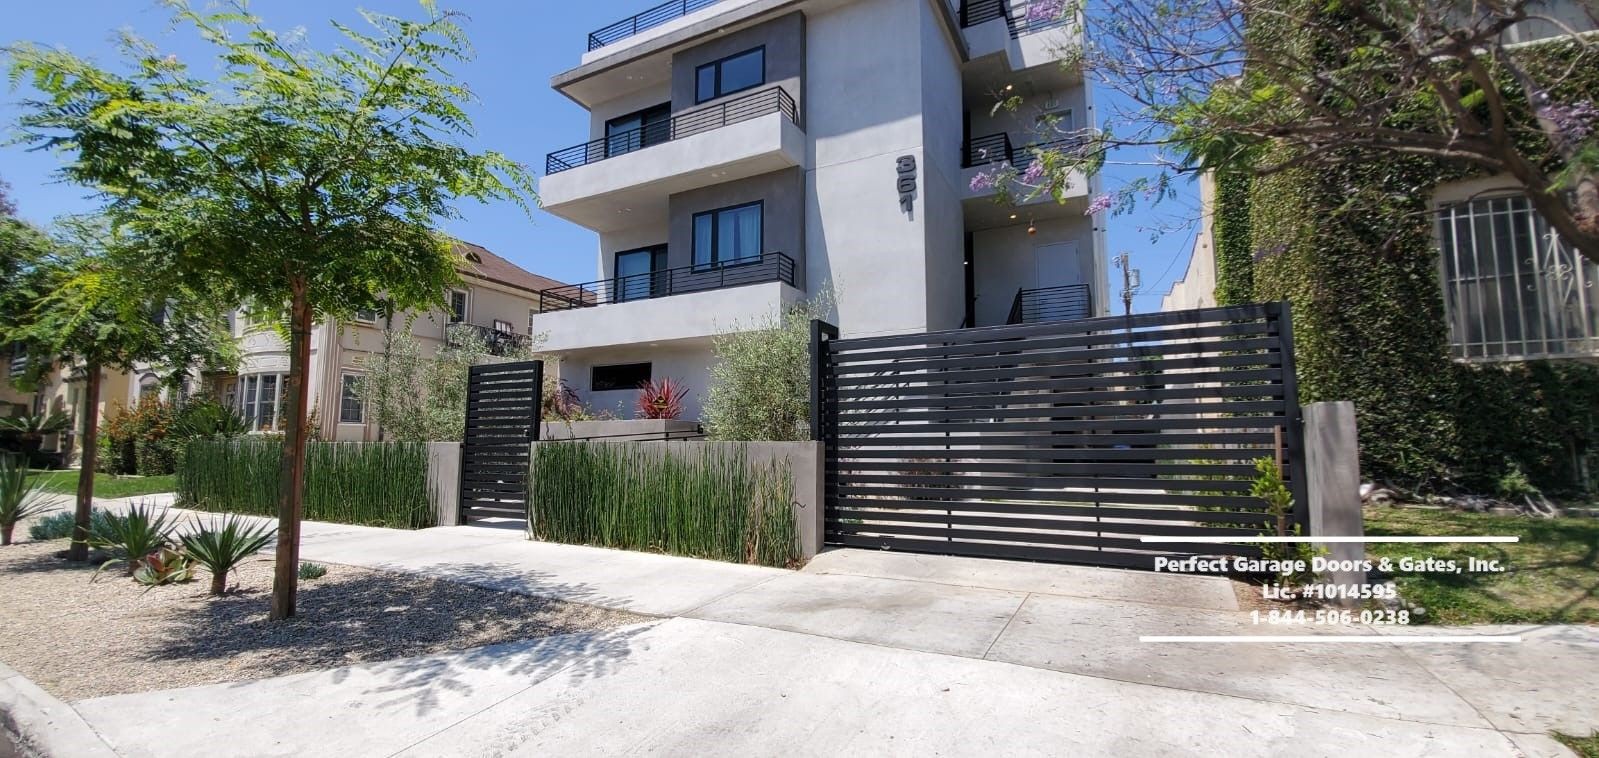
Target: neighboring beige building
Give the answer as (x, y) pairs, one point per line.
(496, 298)
(1197, 287)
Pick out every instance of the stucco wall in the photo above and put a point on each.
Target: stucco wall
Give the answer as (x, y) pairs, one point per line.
(784, 39)
(782, 222)
(939, 171)
(1005, 262)
(688, 363)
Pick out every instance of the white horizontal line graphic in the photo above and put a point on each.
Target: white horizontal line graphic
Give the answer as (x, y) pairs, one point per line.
(1345, 638)
(1329, 539)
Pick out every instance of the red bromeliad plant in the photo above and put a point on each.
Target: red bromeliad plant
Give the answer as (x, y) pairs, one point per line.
(663, 399)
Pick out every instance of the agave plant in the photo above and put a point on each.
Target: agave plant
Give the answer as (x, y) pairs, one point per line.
(30, 430)
(222, 546)
(165, 566)
(17, 499)
(132, 537)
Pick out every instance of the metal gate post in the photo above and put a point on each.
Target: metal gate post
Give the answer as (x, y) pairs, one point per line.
(819, 329)
(1293, 414)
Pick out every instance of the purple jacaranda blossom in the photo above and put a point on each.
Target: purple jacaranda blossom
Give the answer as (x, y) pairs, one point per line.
(1574, 122)
(1035, 171)
(1099, 204)
(983, 181)
(1043, 11)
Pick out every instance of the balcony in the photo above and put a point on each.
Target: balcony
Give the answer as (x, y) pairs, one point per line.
(688, 304)
(498, 342)
(611, 183)
(992, 27)
(649, 19)
(771, 267)
(1064, 303)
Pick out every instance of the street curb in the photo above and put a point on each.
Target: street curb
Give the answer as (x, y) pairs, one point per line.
(40, 725)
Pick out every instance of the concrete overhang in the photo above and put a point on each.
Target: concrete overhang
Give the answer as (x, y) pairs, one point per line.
(613, 193)
(694, 316)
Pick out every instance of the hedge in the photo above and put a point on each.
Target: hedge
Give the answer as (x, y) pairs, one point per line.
(371, 484)
(710, 504)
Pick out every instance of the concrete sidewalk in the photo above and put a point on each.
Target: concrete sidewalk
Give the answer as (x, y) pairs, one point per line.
(863, 649)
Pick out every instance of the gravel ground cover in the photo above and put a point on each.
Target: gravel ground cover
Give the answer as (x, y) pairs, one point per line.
(79, 638)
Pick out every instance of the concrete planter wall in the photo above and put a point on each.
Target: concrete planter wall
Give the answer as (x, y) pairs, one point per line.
(619, 430)
(804, 461)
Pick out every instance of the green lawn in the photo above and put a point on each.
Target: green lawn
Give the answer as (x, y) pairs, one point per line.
(1587, 747)
(1553, 574)
(105, 485)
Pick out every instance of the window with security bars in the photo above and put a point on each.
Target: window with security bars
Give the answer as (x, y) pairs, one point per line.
(1512, 289)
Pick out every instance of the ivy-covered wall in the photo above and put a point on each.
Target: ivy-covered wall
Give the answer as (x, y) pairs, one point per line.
(1235, 272)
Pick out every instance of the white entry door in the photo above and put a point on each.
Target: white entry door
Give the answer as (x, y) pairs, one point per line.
(1055, 265)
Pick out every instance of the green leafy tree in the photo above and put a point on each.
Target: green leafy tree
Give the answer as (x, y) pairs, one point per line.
(80, 303)
(305, 182)
(760, 384)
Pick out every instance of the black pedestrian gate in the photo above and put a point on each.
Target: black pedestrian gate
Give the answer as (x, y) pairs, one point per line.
(1064, 441)
(502, 419)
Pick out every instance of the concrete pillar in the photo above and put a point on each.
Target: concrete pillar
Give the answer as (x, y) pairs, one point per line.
(444, 481)
(1332, 473)
(806, 465)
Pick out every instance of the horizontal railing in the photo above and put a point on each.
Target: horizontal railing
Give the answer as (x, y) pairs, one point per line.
(498, 342)
(974, 12)
(653, 17)
(1067, 302)
(763, 103)
(997, 148)
(771, 267)
(1033, 17)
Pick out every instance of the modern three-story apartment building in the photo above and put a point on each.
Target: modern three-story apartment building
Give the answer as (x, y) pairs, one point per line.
(744, 155)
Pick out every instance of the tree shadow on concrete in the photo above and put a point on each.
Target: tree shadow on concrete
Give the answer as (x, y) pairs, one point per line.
(357, 617)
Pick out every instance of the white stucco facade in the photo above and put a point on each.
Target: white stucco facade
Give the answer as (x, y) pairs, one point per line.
(854, 96)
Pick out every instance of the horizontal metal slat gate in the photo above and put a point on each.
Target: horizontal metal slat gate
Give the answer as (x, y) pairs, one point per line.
(502, 419)
(1064, 441)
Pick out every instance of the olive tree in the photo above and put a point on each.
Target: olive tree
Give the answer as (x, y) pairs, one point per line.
(306, 182)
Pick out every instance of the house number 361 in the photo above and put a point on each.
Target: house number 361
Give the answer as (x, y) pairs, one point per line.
(905, 167)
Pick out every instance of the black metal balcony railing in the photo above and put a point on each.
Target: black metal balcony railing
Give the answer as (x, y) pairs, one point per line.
(771, 267)
(1036, 16)
(653, 17)
(1064, 303)
(997, 148)
(765, 102)
(498, 342)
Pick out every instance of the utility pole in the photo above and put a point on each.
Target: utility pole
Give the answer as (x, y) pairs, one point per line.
(1132, 279)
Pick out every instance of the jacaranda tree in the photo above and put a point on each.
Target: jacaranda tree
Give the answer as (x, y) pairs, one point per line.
(306, 182)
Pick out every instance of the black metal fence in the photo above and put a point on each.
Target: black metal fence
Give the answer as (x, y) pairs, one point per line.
(1037, 17)
(997, 149)
(651, 18)
(770, 267)
(1065, 441)
(1063, 303)
(763, 103)
(502, 418)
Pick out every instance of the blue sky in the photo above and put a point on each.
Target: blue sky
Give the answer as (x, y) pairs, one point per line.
(520, 44)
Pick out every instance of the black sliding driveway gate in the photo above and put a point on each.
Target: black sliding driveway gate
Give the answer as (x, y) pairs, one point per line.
(502, 418)
(1062, 441)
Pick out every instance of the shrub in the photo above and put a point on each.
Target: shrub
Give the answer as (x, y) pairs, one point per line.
(221, 546)
(372, 484)
(147, 422)
(18, 500)
(662, 399)
(309, 571)
(207, 418)
(761, 383)
(155, 457)
(164, 566)
(133, 536)
(419, 399)
(58, 525)
(713, 504)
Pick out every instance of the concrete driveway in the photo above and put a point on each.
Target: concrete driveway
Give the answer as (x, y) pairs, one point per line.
(872, 652)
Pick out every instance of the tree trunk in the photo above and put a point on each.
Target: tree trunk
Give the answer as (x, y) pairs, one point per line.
(291, 478)
(219, 582)
(90, 439)
(5, 533)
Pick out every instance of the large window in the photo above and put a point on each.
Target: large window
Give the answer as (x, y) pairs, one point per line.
(457, 306)
(258, 398)
(734, 73)
(635, 273)
(351, 409)
(624, 376)
(1512, 289)
(728, 235)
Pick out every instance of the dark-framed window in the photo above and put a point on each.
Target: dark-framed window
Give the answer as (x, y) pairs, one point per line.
(622, 376)
(728, 236)
(636, 271)
(457, 306)
(351, 409)
(638, 129)
(735, 73)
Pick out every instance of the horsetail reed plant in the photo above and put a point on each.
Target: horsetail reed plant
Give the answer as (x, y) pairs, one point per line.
(372, 484)
(700, 499)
